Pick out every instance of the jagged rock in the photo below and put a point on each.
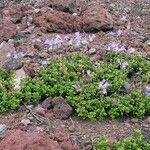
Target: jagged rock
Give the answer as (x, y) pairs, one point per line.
(96, 18)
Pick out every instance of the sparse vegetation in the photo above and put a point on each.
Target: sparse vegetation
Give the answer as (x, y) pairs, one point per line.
(134, 142)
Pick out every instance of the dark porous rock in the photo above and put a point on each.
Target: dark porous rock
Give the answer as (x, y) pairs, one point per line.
(61, 109)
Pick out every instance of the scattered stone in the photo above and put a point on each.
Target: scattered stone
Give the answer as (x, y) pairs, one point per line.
(3, 130)
(20, 140)
(12, 64)
(61, 109)
(25, 122)
(43, 55)
(61, 137)
(127, 86)
(87, 144)
(39, 110)
(134, 120)
(72, 128)
(5, 48)
(19, 75)
(92, 51)
(148, 120)
(69, 146)
(65, 6)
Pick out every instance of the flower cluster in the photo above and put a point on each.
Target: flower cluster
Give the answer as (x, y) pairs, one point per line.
(123, 64)
(76, 41)
(117, 48)
(15, 55)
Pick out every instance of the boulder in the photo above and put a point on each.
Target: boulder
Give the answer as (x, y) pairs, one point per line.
(96, 18)
(59, 22)
(61, 109)
(20, 140)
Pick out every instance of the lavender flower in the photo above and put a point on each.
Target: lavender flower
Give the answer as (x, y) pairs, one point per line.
(91, 37)
(114, 46)
(77, 34)
(147, 90)
(131, 50)
(78, 42)
(104, 91)
(76, 85)
(15, 55)
(77, 39)
(103, 84)
(122, 48)
(123, 64)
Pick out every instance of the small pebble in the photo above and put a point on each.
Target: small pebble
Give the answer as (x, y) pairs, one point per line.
(92, 51)
(72, 128)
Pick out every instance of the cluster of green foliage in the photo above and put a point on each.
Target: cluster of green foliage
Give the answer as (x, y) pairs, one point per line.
(59, 78)
(9, 99)
(134, 142)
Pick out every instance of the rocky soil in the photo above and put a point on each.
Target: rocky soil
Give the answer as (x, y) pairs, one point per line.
(24, 28)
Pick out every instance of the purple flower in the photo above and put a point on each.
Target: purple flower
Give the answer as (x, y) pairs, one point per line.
(131, 50)
(76, 85)
(77, 41)
(123, 64)
(147, 90)
(103, 84)
(57, 40)
(15, 55)
(104, 91)
(91, 37)
(77, 34)
(122, 48)
(114, 46)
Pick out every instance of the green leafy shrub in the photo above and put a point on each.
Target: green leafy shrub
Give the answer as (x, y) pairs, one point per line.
(134, 142)
(8, 98)
(94, 90)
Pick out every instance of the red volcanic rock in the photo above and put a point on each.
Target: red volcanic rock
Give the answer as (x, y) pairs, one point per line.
(7, 29)
(59, 22)
(96, 18)
(20, 140)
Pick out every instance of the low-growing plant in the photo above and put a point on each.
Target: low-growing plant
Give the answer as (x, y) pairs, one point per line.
(134, 142)
(94, 90)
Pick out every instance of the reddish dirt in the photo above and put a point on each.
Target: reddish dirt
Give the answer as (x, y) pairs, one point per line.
(132, 17)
